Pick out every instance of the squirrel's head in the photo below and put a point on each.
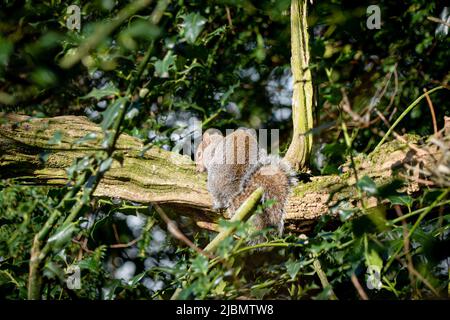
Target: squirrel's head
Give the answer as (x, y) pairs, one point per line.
(205, 149)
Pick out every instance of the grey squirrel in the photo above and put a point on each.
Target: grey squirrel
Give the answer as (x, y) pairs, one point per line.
(236, 167)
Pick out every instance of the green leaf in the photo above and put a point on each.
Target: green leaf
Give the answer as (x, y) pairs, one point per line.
(56, 139)
(52, 270)
(139, 30)
(89, 137)
(293, 267)
(367, 185)
(163, 66)
(105, 165)
(62, 236)
(6, 48)
(226, 96)
(200, 265)
(402, 200)
(43, 77)
(373, 259)
(89, 264)
(108, 90)
(111, 113)
(135, 280)
(192, 25)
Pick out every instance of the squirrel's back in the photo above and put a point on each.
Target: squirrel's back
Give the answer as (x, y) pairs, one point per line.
(236, 167)
(276, 177)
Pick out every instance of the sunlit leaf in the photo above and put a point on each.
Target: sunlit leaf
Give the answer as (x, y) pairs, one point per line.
(292, 268)
(56, 138)
(62, 236)
(111, 113)
(367, 185)
(107, 90)
(163, 66)
(192, 25)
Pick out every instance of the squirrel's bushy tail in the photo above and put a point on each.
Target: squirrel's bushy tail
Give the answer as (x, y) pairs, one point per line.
(277, 178)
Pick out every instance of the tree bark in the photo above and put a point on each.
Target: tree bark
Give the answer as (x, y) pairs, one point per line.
(169, 179)
(300, 148)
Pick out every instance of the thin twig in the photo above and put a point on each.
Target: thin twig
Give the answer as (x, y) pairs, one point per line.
(404, 113)
(82, 245)
(396, 135)
(437, 20)
(208, 226)
(116, 234)
(406, 246)
(125, 245)
(421, 278)
(358, 287)
(230, 21)
(433, 115)
(175, 231)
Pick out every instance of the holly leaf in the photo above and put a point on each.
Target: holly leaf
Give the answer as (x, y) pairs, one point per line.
(192, 25)
(108, 89)
(56, 139)
(367, 185)
(111, 113)
(163, 66)
(292, 268)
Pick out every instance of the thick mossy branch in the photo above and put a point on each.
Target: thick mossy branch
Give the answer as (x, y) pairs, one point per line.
(155, 175)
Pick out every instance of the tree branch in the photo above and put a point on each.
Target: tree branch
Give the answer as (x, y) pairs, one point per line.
(153, 175)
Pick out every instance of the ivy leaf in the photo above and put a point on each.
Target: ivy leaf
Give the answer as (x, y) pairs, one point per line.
(367, 185)
(135, 280)
(111, 113)
(89, 137)
(163, 66)
(62, 236)
(105, 165)
(402, 200)
(192, 25)
(293, 267)
(52, 270)
(56, 139)
(200, 265)
(107, 90)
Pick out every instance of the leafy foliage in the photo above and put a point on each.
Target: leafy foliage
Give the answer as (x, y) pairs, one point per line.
(225, 63)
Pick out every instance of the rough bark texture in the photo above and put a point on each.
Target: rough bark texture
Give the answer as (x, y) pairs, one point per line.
(156, 175)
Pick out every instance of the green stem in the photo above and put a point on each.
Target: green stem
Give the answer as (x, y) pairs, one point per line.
(415, 212)
(38, 256)
(421, 217)
(323, 277)
(241, 214)
(102, 32)
(404, 113)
